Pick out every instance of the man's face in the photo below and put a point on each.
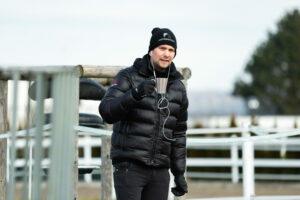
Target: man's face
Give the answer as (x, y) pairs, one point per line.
(162, 56)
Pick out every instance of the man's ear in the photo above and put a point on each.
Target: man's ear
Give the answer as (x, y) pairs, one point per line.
(150, 53)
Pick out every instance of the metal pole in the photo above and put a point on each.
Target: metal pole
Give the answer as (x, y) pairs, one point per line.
(26, 193)
(38, 137)
(248, 167)
(30, 169)
(61, 179)
(75, 136)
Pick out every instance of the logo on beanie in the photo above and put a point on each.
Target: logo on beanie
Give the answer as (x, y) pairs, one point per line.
(166, 35)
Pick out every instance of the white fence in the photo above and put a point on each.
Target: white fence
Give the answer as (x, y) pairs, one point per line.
(87, 142)
(281, 141)
(264, 121)
(282, 145)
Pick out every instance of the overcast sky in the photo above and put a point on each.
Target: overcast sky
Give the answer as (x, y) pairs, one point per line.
(215, 38)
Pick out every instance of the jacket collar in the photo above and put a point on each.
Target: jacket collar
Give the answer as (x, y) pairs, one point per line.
(145, 69)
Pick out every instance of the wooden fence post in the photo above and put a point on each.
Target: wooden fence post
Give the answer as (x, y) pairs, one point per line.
(3, 142)
(106, 169)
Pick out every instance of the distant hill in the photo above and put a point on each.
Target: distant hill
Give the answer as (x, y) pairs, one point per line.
(215, 103)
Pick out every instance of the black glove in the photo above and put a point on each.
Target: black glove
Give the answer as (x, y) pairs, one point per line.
(181, 186)
(143, 89)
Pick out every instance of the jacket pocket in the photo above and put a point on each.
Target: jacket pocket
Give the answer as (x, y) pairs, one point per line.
(120, 171)
(121, 166)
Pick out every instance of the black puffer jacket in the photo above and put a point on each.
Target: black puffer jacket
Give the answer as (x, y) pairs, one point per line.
(137, 131)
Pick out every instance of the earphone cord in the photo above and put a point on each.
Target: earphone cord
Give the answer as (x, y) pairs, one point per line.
(159, 104)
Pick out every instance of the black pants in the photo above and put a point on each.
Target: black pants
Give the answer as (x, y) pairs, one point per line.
(138, 182)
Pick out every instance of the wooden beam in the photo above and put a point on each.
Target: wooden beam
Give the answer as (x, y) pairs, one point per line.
(101, 74)
(100, 71)
(90, 71)
(103, 81)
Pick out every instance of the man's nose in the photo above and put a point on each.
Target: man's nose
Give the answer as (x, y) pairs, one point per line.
(167, 53)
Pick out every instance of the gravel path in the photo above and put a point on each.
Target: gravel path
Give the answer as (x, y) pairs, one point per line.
(208, 188)
(202, 189)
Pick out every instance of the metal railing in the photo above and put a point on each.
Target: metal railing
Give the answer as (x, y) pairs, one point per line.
(63, 167)
(63, 159)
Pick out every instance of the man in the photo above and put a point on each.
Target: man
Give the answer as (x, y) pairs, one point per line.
(149, 132)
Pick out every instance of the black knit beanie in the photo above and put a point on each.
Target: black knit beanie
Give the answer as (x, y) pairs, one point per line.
(162, 36)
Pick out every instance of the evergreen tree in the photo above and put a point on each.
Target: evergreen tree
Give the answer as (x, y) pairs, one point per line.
(274, 69)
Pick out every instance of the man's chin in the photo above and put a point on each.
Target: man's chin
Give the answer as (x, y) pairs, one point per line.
(161, 67)
(164, 66)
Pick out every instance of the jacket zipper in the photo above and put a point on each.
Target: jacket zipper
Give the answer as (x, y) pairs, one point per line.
(157, 127)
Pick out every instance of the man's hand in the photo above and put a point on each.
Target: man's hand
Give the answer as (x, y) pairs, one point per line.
(181, 186)
(143, 89)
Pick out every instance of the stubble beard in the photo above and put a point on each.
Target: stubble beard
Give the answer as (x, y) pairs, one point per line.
(158, 67)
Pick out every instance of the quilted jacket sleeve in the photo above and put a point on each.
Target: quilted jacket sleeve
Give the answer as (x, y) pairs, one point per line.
(178, 153)
(118, 99)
